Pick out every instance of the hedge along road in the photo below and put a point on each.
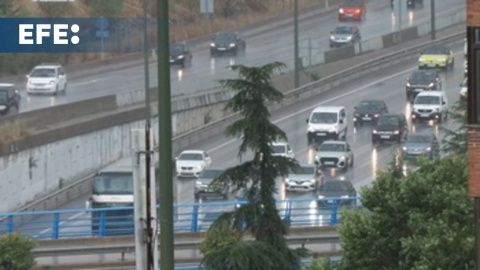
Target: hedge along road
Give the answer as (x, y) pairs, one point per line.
(387, 84)
(276, 45)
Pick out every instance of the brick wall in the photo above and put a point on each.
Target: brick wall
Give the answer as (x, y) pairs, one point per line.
(474, 160)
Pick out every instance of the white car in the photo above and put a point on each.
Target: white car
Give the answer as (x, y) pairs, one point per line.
(334, 154)
(463, 89)
(191, 163)
(430, 105)
(282, 149)
(47, 79)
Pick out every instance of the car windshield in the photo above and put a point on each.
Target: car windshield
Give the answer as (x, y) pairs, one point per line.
(43, 73)
(427, 100)
(176, 49)
(352, 3)
(369, 105)
(435, 51)
(388, 121)
(324, 118)
(422, 75)
(418, 139)
(225, 37)
(3, 94)
(190, 156)
(343, 30)
(113, 183)
(278, 149)
(310, 170)
(332, 147)
(210, 174)
(335, 186)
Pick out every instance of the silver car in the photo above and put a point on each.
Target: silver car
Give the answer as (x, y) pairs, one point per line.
(344, 35)
(335, 154)
(304, 178)
(205, 188)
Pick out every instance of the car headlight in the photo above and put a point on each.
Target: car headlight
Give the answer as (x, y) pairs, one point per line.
(349, 38)
(344, 197)
(342, 158)
(376, 115)
(3, 107)
(396, 132)
(442, 60)
(405, 148)
(420, 59)
(332, 37)
(198, 183)
(199, 167)
(287, 180)
(212, 44)
(232, 45)
(374, 131)
(52, 82)
(408, 84)
(310, 129)
(180, 56)
(430, 85)
(428, 149)
(357, 11)
(341, 10)
(321, 196)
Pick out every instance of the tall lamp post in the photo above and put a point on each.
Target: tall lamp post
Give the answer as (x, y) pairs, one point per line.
(165, 138)
(296, 61)
(432, 19)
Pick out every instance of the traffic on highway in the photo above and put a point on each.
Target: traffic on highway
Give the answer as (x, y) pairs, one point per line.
(204, 70)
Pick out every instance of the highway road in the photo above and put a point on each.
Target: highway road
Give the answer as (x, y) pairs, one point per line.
(388, 84)
(276, 45)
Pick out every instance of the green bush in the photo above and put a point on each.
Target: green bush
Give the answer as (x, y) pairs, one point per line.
(16, 252)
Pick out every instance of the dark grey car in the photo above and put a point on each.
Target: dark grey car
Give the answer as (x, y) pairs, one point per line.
(204, 186)
(422, 80)
(227, 43)
(336, 189)
(369, 111)
(417, 145)
(9, 99)
(344, 35)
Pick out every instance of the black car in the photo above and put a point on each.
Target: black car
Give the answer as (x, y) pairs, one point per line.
(414, 3)
(420, 144)
(341, 190)
(180, 55)
(369, 111)
(422, 80)
(9, 99)
(227, 42)
(390, 127)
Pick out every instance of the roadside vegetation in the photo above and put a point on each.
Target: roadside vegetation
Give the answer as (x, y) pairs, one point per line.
(423, 220)
(185, 17)
(16, 252)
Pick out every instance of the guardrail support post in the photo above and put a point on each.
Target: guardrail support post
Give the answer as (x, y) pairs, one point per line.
(333, 219)
(56, 226)
(288, 212)
(194, 225)
(10, 224)
(102, 223)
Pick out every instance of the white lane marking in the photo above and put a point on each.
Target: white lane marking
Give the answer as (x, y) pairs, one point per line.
(83, 83)
(61, 223)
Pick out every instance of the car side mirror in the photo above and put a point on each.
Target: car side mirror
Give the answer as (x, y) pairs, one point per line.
(444, 103)
(340, 121)
(88, 204)
(307, 121)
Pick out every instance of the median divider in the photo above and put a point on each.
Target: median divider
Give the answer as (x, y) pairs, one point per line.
(195, 118)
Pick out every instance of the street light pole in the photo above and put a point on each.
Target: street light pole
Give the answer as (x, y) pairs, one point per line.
(165, 138)
(400, 21)
(432, 19)
(295, 45)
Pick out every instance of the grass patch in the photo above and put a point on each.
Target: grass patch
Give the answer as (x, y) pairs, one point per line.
(11, 131)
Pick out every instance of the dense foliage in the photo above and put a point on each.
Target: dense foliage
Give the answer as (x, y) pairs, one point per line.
(455, 140)
(259, 216)
(420, 221)
(16, 252)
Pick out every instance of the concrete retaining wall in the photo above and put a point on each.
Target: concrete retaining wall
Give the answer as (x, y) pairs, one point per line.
(40, 166)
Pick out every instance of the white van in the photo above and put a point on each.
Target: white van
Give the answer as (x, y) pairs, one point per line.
(430, 105)
(326, 123)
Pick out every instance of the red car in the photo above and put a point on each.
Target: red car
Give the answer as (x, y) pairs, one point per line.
(352, 9)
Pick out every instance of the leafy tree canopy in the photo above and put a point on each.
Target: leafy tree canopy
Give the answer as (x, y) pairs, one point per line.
(421, 221)
(16, 252)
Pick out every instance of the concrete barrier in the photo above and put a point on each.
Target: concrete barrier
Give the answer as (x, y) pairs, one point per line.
(45, 163)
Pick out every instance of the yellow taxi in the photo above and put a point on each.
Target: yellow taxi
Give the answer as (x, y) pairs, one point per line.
(436, 57)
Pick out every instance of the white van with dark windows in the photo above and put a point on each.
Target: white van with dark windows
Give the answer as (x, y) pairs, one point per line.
(327, 123)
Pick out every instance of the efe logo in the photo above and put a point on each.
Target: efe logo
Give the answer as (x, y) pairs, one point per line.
(60, 33)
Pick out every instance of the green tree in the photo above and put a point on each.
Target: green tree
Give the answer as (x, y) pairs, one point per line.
(105, 8)
(259, 217)
(455, 140)
(320, 264)
(420, 221)
(16, 252)
(9, 9)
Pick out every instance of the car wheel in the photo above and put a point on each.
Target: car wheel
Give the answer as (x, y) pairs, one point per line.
(352, 161)
(56, 91)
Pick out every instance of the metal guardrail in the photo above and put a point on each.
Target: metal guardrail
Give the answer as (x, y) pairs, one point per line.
(195, 217)
(126, 244)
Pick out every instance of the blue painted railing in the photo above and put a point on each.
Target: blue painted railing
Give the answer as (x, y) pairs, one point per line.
(194, 217)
